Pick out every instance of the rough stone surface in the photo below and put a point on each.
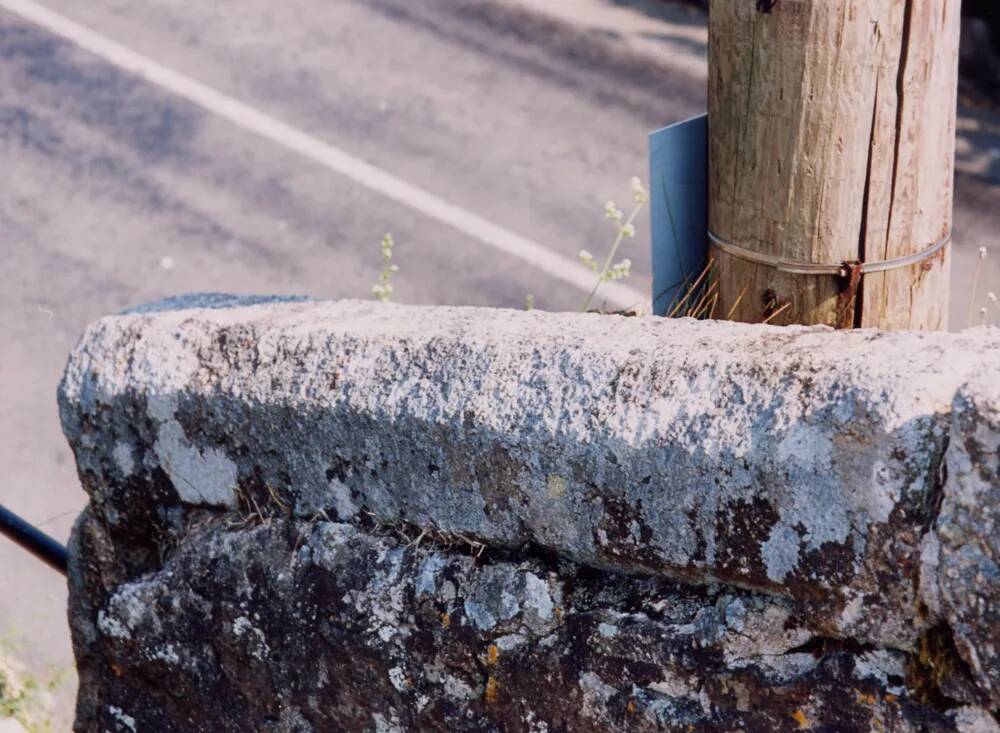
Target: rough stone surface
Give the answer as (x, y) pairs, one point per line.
(795, 461)
(845, 482)
(288, 625)
(968, 532)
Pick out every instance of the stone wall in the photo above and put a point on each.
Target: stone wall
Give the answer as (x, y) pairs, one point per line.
(312, 516)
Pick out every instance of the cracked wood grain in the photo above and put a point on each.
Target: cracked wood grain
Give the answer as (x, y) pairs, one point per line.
(832, 140)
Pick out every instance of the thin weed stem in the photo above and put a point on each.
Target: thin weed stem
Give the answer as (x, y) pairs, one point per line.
(691, 290)
(729, 315)
(776, 313)
(609, 260)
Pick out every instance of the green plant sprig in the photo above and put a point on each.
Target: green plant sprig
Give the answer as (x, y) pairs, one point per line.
(611, 270)
(383, 288)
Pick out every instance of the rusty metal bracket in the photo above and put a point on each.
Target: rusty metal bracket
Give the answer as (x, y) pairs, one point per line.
(850, 277)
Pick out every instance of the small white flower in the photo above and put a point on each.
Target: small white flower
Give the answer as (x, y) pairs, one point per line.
(982, 315)
(982, 253)
(588, 260)
(167, 263)
(639, 192)
(612, 212)
(620, 270)
(629, 230)
(991, 296)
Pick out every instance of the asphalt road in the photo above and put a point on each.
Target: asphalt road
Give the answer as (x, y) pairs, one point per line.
(115, 191)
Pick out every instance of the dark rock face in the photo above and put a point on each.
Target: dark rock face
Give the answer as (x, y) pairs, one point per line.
(288, 625)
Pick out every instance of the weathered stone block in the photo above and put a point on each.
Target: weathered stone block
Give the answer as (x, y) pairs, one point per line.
(838, 485)
(796, 461)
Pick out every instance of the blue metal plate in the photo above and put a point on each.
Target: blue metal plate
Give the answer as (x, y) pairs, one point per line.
(678, 176)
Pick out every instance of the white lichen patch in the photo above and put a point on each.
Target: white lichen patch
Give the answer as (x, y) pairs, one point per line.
(342, 501)
(762, 633)
(398, 678)
(456, 689)
(806, 447)
(122, 717)
(780, 552)
(596, 693)
(852, 612)
(608, 631)
(166, 653)
(479, 615)
(884, 666)
(674, 685)
(510, 641)
(200, 476)
(787, 667)
(494, 598)
(244, 628)
(387, 726)
(427, 575)
(122, 455)
(126, 610)
(536, 596)
(971, 719)
(110, 626)
(735, 614)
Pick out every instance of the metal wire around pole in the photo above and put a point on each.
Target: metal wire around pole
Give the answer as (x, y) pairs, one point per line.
(796, 267)
(33, 540)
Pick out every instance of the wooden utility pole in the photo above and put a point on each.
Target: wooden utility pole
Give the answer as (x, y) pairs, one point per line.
(831, 141)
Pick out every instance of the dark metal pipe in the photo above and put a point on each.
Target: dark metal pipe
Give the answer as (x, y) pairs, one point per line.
(33, 540)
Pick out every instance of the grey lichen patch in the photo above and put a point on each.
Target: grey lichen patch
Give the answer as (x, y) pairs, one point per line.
(126, 721)
(492, 599)
(537, 598)
(596, 693)
(122, 454)
(343, 502)
(781, 551)
(749, 630)
(201, 476)
(126, 610)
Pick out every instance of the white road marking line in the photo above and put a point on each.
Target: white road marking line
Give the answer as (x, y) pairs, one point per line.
(243, 115)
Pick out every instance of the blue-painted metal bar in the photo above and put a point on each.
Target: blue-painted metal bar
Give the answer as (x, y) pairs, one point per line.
(33, 540)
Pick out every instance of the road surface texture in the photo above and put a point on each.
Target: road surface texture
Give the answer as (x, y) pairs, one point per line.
(525, 115)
